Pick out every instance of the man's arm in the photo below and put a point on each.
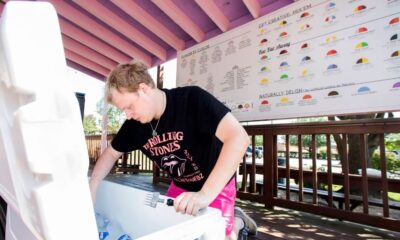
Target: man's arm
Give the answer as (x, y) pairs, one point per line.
(103, 166)
(235, 141)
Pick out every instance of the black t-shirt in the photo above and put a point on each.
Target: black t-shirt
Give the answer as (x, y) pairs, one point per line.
(185, 146)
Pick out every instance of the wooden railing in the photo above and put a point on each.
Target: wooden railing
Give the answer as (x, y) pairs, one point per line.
(359, 195)
(281, 183)
(131, 162)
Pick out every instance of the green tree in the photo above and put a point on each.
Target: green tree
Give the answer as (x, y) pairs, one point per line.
(353, 141)
(306, 141)
(392, 163)
(115, 116)
(259, 140)
(392, 141)
(90, 126)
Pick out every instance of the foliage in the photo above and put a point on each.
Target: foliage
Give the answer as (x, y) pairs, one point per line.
(394, 196)
(90, 126)
(392, 141)
(306, 140)
(259, 140)
(392, 163)
(335, 187)
(115, 116)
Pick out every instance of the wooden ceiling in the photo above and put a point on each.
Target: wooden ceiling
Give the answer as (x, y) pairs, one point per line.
(99, 34)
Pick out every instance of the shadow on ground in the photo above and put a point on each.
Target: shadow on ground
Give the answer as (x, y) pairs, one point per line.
(283, 223)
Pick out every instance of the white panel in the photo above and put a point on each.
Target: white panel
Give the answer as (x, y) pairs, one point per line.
(43, 149)
(259, 70)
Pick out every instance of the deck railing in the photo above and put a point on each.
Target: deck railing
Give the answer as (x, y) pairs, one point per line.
(129, 162)
(327, 187)
(344, 194)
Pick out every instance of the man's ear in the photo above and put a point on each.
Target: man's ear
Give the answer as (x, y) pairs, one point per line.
(144, 87)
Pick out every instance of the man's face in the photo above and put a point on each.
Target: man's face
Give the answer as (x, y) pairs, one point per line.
(135, 105)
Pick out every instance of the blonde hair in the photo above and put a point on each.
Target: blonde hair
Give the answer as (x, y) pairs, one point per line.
(127, 76)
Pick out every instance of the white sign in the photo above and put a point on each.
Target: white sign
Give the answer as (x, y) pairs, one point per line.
(311, 58)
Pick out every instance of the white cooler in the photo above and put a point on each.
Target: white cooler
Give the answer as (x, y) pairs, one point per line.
(129, 206)
(43, 155)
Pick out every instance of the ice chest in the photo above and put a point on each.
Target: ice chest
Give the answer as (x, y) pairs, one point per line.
(129, 207)
(43, 155)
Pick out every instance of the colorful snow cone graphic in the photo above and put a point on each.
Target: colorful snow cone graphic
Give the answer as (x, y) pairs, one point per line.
(360, 8)
(329, 39)
(330, 6)
(362, 60)
(264, 69)
(283, 64)
(307, 97)
(306, 59)
(361, 45)
(263, 41)
(264, 80)
(363, 89)
(305, 27)
(283, 52)
(304, 46)
(332, 67)
(262, 30)
(361, 30)
(394, 37)
(264, 106)
(284, 76)
(304, 72)
(330, 19)
(333, 93)
(284, 100)
(395, 54)
(282, 23)
(331, 53)
(304, 15)
(264, 57)
(394, 21)
(283, 35)
(396, 85)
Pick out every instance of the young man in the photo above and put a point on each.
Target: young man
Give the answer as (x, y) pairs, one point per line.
(185, 131)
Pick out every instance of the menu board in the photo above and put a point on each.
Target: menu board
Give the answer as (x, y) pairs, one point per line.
(311, 58)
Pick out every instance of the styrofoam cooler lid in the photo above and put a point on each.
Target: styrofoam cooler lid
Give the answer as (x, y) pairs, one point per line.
(43, 155)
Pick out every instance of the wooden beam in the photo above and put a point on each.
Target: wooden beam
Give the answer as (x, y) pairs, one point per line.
(89, 53)
(115, 21)
(180, 18)
(87, 39)
(86, 62)
(89, 25)
(254, 7)
(147, 20)
(273, 6)
(212, 10)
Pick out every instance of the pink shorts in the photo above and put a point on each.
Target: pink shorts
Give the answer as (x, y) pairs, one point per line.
(225, 201)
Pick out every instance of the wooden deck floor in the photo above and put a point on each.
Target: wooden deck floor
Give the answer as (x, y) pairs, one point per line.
(280, 223)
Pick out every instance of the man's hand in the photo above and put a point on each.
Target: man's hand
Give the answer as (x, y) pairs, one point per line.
(191, 202)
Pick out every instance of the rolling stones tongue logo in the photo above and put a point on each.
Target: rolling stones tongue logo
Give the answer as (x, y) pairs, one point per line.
(173, 164)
